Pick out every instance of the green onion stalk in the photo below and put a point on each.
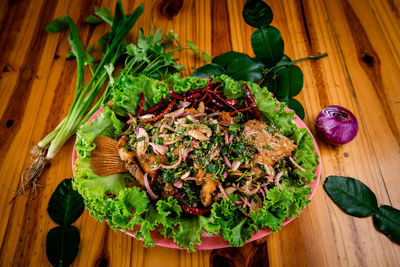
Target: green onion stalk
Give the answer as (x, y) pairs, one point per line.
(82, 106)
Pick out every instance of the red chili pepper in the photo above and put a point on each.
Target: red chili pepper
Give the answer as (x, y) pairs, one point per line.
(161, 115)
(194, 211)
(218, 97)
(186, 208)
(193, 91)
(174, 95)
(156, 107)
(239, 110)
(210, 109)
(141, 103)
(232, 102)
(110, 195)
(194, 96)
(252, 103)
(216, 103)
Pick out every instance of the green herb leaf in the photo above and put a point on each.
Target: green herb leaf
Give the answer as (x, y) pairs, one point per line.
(57, 25)
(93, 20)
(224, 59)
(65, 205)
(387, 220)
(62, 245)
(208, 70)
(284, 62)
(289, 81)
(351, 195)
(267, 44)
(104, 13)
(256, 13)
(245, 69)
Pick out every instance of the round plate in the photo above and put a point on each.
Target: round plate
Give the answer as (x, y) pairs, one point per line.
(216, 241)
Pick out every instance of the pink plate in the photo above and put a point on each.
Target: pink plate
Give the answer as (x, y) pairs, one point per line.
(215, 241)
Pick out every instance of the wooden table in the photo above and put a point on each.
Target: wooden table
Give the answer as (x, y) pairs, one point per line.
(361, 73)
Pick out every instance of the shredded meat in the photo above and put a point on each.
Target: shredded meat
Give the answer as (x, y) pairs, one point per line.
(271, 147)
(208, 188)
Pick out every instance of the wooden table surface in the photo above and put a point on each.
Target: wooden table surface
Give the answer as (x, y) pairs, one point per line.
(361, 73)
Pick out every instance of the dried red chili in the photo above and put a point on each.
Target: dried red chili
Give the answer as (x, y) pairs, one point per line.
(175, 95)
(161, 115)
(141, 103)
(186, 208)
(252, 104)
(157, 107)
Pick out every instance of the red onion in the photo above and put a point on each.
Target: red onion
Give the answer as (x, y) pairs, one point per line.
(173, 166)
(223, 192)
(184, 104)
(225, 175)
(187, 150)
(235, 165)
(149, 191)
(238, 203)
(231, 138)
(227, 162)
(178, 184)
(336, 125)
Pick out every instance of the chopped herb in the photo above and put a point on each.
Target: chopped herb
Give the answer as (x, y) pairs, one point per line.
(253, 137)
(270, 129)
(233, 128)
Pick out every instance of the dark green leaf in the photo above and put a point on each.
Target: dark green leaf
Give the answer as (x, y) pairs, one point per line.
(289, 81)
(245, 69)
(93, 20)
(104, 13)
(208, 70)
(226, 58)
(387, 220)
(65, 205)
(297, 107)
(267, 44)
(256, 13)
(285, 60)
(57, 25)
(351, 195)
(62, 245)
(269, 82)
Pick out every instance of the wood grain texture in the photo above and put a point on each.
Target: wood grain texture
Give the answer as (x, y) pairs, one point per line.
(361, 73)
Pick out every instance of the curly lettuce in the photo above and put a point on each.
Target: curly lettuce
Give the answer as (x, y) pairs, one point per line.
(129, 207)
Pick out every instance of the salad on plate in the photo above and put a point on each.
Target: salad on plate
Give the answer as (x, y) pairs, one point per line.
(190, 158)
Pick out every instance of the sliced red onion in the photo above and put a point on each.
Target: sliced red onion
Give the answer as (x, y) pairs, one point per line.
(245, 201)
(265, 189)
(277, 177)
(231, 138)
(189, 178)
(227, 162)
(235, 165)
(295, 164)
(184, 104)
(185, 153)
(263, 194)
(238, 203)
(223, 192)
(214, 114)
(155, 168)
(225, 175)
(173, 166)
(226, 135)
(147, 185)
(178, 184)
(185, 175)
(200, 114)
(137, 129)
(215, 153)
(160, 149)
(181, 114)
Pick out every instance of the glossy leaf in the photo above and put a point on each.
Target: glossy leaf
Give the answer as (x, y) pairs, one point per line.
(297, 107)
(351, 195)
(245, 69)
(387, 220)
(62, 245)
(58, 25)
(283, 62)
(269, 82)
(208, 70)
(256, 13)
(267, 44)
(289, 81)
(224, 59)
(66, 204)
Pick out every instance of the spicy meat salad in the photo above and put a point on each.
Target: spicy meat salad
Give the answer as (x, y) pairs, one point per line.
(207, 156)
(200, 158)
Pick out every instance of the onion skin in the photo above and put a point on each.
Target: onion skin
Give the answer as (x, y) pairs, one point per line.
(336, 125)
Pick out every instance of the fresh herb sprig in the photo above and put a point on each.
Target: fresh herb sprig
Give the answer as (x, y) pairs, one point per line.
(356, 199)
(271, 67)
